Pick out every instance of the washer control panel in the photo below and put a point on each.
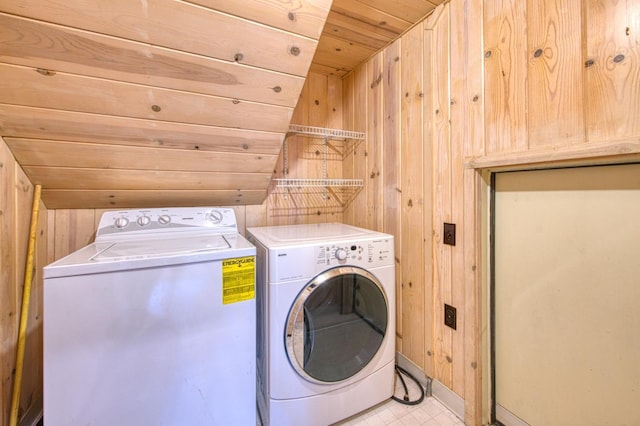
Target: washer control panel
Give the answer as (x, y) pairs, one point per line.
(164, 220)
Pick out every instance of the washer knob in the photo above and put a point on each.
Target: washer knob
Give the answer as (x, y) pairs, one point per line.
(121, 222)
(341, 254)
(164, 219)
(214, 216)
(143, 220)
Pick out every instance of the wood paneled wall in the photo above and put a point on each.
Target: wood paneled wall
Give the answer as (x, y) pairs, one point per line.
(16, 198)
(532, 84)
(423, 108)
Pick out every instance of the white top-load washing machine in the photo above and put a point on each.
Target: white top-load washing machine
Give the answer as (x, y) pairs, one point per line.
(326, 321)
(153, 323)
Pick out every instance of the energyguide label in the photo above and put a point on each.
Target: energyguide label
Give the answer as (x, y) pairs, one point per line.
(238, 279)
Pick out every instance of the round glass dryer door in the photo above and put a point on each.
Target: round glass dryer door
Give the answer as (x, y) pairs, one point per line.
(336, 325)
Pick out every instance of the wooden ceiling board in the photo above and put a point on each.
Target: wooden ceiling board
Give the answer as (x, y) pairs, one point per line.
(410, 10)
(29, 122)
(179, 26)
(362, 11)
(304, 17)
(87, 178)
(340, 54)
(380, 17)
(61, 49)
(26, 87)
(109, 199)
(358, 32)
(51, 153)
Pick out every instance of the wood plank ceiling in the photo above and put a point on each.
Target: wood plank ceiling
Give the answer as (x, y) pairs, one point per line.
(123, 103)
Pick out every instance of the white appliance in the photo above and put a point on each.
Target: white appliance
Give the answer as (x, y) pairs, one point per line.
(153, 323)
(326, 322)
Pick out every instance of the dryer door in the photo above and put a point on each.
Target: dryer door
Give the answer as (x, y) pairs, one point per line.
(336, 325)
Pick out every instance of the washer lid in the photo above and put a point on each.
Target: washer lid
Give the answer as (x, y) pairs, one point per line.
(113, 256)
(142, 249)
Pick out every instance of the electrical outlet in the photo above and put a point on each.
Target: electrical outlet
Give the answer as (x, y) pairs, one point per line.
(450, 316)
(450, 234)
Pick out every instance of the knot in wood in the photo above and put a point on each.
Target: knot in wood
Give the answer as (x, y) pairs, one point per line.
(245, 146)
(449, 359)
(537, 53)
(475, 98)
(618, 58)
(277, 89)
(410, 203)
(45, 72)
(294, 50)
(238, 57)
(487, 54)
(588, 63)
(291, 16)
(236, 101)
(156, 108)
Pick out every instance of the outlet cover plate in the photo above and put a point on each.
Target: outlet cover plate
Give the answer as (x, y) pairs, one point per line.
(450, 316)
(450, 234)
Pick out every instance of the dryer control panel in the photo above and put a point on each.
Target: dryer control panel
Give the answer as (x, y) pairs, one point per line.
(123, 223)
(309, 260)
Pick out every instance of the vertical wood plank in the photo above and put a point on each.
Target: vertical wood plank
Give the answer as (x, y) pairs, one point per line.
(612, 89)
(336, 149)
(361, 159)
(554, 77)
(442, 196)
(505, 75)
(391, 176)
(459, 135)
(375, 127)
(428, 140)
(412, 220)
(348, 111)
(472, 215)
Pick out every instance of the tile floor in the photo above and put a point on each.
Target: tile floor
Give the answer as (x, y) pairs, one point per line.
(429, 412)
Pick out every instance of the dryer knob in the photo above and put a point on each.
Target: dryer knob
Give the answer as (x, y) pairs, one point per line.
(121, 222)
(164, 219)
(341, 254)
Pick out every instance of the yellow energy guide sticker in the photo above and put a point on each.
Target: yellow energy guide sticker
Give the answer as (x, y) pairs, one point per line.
(238, 279)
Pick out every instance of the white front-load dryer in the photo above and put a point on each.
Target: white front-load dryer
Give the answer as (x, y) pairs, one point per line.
(326, 321)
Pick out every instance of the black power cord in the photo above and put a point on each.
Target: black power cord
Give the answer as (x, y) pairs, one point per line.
(405, 400)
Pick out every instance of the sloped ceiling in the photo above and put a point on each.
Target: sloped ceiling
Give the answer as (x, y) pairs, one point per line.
(125, 103)
(357, 29)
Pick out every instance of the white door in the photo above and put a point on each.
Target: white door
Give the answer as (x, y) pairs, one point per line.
(567, 296)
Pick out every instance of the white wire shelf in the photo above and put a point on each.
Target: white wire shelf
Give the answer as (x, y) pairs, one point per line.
(323, 132)
(318, 183)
